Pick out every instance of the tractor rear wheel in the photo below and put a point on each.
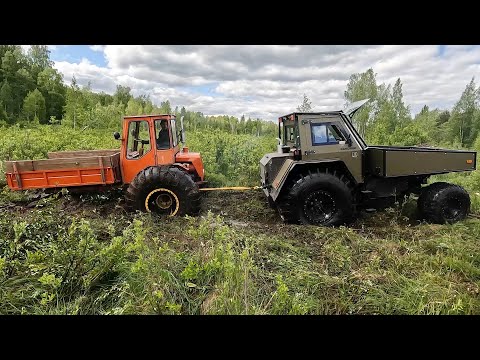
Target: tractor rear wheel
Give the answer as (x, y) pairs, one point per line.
(165, 190)
(442, 203)
(318, 199)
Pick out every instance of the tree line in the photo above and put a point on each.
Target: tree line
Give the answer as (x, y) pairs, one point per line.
(30, 88)
(33, 92)
(386, 119)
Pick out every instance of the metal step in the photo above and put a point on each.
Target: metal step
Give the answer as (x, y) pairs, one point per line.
(370, 210)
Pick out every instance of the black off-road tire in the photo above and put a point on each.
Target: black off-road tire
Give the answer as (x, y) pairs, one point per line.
(426, 193)
(442, 203)
(318, 199)
(169, 182)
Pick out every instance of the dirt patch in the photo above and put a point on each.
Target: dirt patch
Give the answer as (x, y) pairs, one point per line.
(248, 210)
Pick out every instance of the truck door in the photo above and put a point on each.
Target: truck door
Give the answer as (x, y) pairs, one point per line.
(138, 149)
(325, 137)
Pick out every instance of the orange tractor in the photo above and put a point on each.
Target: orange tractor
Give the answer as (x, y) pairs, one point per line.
(158, 175)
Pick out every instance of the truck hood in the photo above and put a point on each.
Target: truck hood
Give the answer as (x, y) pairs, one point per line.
(354, 107)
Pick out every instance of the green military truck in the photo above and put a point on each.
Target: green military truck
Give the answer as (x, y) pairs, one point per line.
(323, 173)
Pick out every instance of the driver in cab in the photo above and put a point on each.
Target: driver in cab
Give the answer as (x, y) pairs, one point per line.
(163, 139)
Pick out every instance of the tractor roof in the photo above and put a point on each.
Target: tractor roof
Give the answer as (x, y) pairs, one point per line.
(153, 115)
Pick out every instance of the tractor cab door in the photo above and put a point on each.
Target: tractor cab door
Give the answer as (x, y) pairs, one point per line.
(326, 138)
(139, 149)
(166, 140)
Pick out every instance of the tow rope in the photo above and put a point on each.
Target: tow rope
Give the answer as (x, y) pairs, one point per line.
(240, 188)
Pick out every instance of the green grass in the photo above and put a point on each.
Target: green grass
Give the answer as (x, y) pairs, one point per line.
(87, 256)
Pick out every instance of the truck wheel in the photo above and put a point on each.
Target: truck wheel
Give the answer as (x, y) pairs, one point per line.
(318, 199)
(442, 203)
(164, 190)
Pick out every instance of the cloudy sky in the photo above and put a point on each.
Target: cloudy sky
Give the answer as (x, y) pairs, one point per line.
(268, 81)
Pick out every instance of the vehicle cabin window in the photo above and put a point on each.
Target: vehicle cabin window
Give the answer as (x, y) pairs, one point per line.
(326, 134)
(174, 132)
(289, 134)
(162, 134)
(138, 143)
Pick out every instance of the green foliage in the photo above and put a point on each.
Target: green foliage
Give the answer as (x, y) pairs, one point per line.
(122, 95)
(306, 105)
(21, 74)
(359, 87)
(60, 259)
(228, 159)
(386, 119)
(34, 106)
(57, 261)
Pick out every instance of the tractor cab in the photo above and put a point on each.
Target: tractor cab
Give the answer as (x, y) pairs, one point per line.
(148, 140)
(154, 140)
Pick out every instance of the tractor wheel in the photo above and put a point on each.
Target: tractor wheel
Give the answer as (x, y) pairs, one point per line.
(442, 203)
(318, 199)
(165, 190)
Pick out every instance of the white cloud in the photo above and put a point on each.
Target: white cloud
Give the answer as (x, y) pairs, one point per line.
(99, 48)
(267, 81)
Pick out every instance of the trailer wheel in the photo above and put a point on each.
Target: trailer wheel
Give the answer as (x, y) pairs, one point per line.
(318, 199)
(165, 190)
(442, 203)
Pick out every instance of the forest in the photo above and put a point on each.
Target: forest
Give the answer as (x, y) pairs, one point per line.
(68, 255)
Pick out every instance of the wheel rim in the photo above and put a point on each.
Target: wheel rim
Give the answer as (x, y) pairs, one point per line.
(454, 209)
(319, 207)
(162, 201)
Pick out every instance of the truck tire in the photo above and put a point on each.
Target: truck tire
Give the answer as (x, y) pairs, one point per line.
(318, 199)
(164, 190)
(426, 193)
(442, 203)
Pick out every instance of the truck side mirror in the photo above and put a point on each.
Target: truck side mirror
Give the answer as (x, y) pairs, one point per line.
(116, 135)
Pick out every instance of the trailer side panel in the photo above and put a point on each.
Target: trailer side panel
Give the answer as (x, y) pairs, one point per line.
(63, 172)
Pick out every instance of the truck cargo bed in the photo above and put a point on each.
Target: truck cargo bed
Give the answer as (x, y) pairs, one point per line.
(392, 161)
(65, 169)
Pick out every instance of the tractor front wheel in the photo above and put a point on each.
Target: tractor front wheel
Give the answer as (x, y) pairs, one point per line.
(165, 190)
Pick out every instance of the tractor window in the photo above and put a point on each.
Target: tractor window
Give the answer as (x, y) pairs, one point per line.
(138, 143)
(162, 134)
(326, 134)
(174, 132)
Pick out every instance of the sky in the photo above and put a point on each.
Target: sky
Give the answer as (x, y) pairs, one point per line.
(268, 81)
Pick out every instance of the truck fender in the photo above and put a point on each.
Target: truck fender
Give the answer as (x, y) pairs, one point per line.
(291, 168)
